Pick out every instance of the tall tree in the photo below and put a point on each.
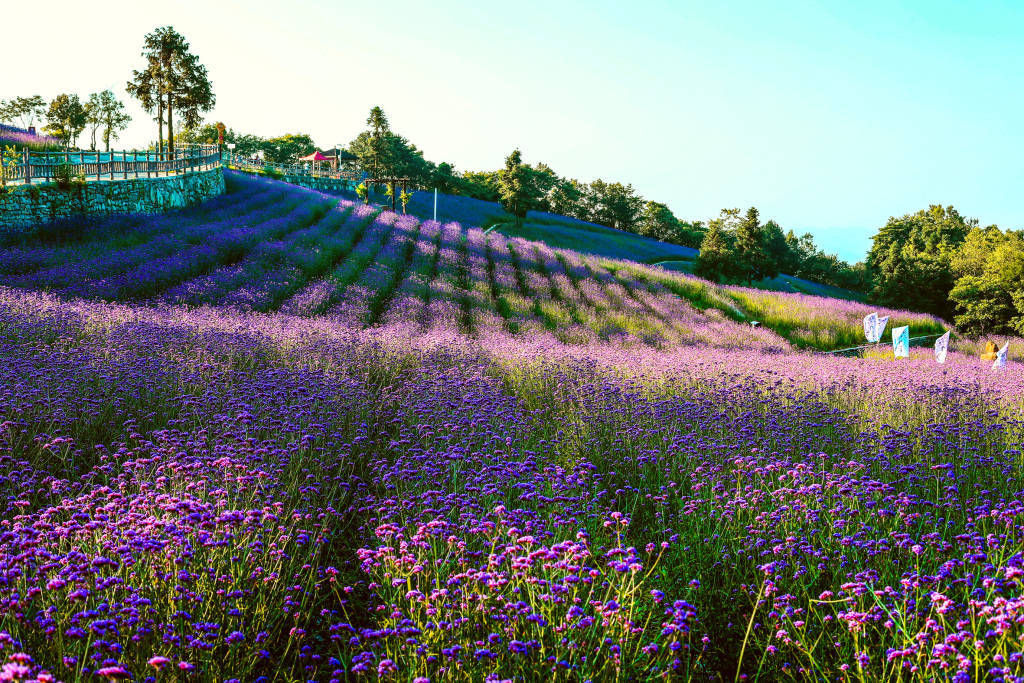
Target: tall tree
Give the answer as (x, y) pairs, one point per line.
(172, 80)
(753, 260)
(716, 260)
(92, 118)
(775, 247)
(145, 87)
(517, 196)
(112, 116)
(23, 110)
(380, 131)
(66, 118)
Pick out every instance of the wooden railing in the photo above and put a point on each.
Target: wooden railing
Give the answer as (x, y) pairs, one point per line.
(294, 169)
(92, 166)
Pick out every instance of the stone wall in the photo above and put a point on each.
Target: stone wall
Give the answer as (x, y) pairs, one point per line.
(24, 206)
(320, 184)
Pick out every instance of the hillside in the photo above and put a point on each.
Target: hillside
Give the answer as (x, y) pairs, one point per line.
(283, 435)
(21, 138)
(564, 232)
(268, 246)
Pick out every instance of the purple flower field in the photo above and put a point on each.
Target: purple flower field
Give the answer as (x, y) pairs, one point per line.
(281, 437)
(12, 135)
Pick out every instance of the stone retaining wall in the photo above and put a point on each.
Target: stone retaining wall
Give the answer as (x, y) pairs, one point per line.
(25, 206)
(321, 184)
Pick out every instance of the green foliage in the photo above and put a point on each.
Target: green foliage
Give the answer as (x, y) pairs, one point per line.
(910, 260)
(363, 192)
(66, 118)
(404, 198)
(172, 80)
(515, 186)
(754, 260)
(287, 148)
(65, 178)
(22, 110)
(989, 291)
(716, 261)
(105, 112)
(10, 157)
(614, 204)
(383, 153)
(246, 144)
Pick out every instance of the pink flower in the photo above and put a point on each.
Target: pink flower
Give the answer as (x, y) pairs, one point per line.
(158, 662)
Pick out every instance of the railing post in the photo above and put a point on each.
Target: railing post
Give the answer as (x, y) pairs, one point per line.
(28, 167)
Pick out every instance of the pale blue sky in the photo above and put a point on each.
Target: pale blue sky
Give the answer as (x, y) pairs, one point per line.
(828, 116)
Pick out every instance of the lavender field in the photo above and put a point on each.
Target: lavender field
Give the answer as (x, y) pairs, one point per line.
(281, 437)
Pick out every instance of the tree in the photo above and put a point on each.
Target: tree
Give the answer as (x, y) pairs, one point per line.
(145, 87)
(92, 119)
(287, 148)
(173, 77)
(517, 196)
(113, 116)
(66, 119)
(23, 110)
(446, 179)
(376, 153)
(776, 248)
(716, 261)
(614, 204)
(753, 261)
(568, 198)
(909, 264)
(989, 290)
(657, 222)
(482, 185)
(105, 112)
(543, 180)
(208, 134)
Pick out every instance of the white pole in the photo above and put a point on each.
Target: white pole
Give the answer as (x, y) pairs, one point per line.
(435, 203)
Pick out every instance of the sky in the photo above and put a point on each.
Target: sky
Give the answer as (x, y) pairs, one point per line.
(830, 117)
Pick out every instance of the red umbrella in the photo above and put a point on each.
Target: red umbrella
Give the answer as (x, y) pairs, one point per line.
(314, 157)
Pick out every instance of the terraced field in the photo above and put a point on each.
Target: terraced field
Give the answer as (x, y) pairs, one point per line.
(270, 247)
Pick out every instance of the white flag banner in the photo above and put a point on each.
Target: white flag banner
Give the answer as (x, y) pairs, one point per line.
(870, 327)
(880, 328)
(1001, 357)
(901, 342)
(941, 346)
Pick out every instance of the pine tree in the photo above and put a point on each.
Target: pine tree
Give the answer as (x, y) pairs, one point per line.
(716, 261)
(753, 263)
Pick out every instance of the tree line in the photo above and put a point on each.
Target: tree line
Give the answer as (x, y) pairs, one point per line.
(740, 249)
(939, 262)
(67, 116)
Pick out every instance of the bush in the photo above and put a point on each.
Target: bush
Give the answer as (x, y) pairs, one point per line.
(64, 177)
